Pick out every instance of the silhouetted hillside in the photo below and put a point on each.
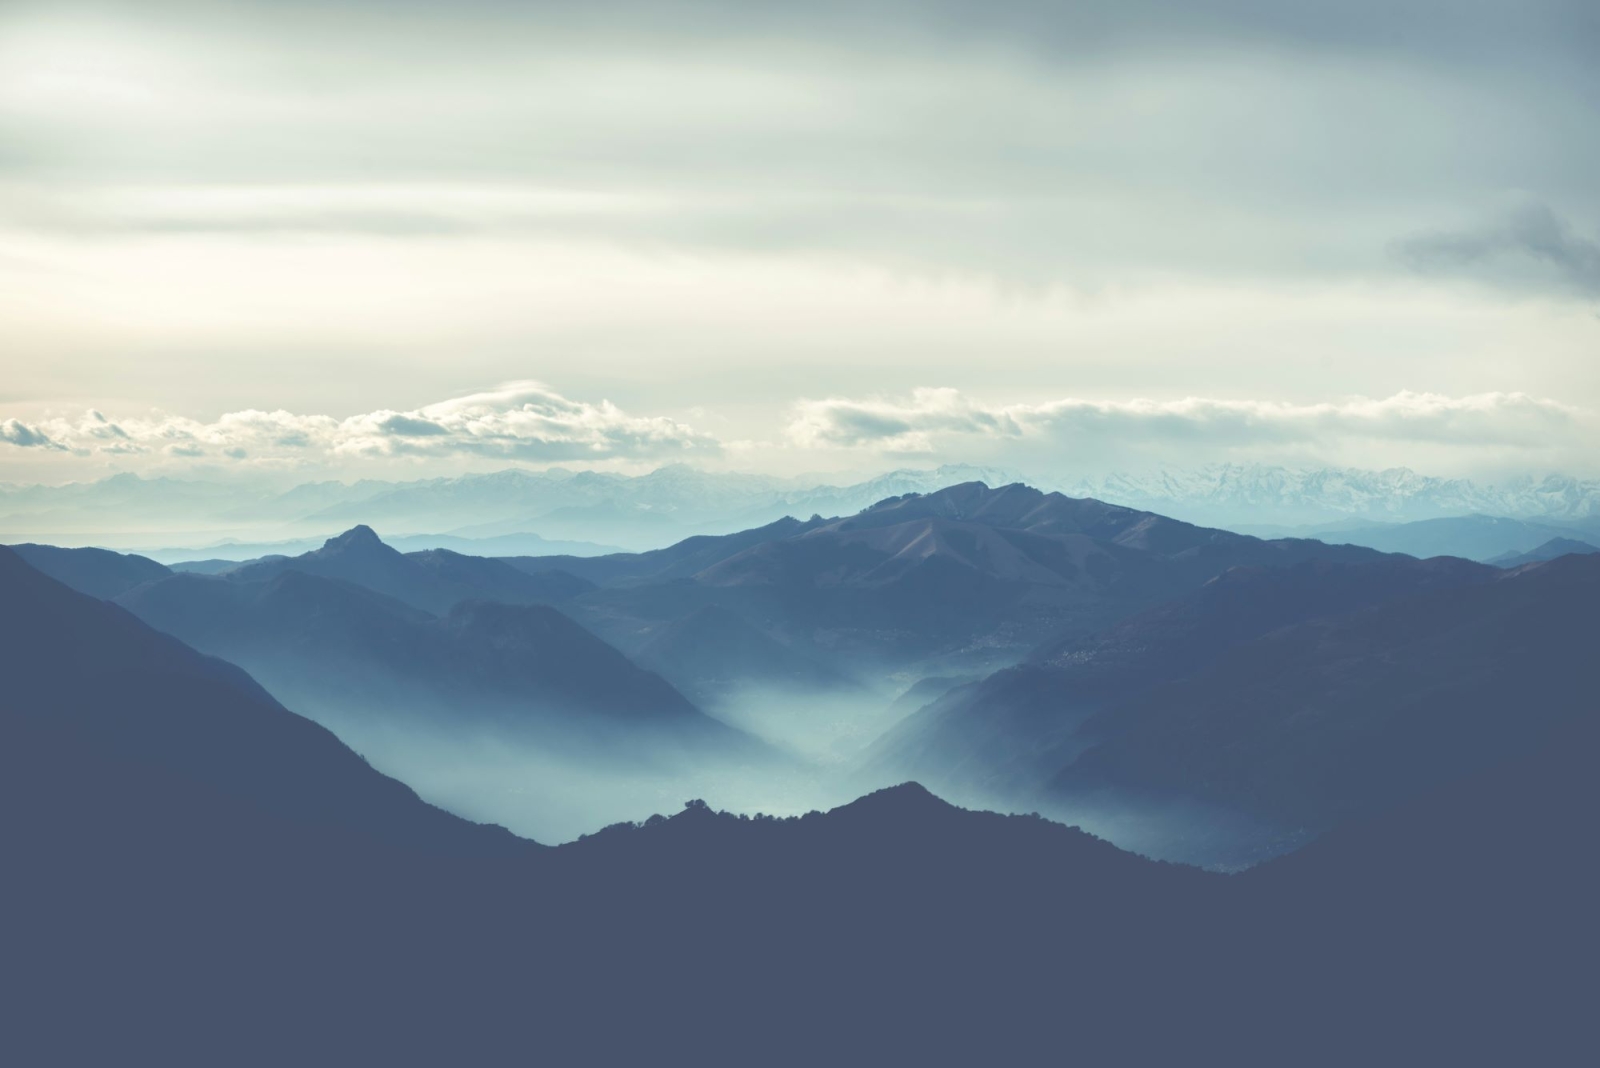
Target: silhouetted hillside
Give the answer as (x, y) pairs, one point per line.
(1012, 730)
(484, 577)
(893, 929)
(83, 673)
(1460, 921)
(681, 560)
(338, 650)
(209, 878)
(1550, 550)
(1340, 717)
(97, 572)
(1475, 537)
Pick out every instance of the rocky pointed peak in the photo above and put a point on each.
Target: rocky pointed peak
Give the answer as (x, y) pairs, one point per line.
(357, 538)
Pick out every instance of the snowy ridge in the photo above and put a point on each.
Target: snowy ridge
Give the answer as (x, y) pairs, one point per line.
(1259, 493)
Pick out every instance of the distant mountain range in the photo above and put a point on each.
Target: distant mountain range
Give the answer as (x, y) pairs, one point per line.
(1474, 537)
(219, 556)
(1093, 632)
(1234, 494)
(506, 513)
(521, 512)
(966, 578)
(638, 512)
(962, 580)
(1550, 550)
(209, 877)
(433, 581)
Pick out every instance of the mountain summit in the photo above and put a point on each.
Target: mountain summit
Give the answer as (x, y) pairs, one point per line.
(433, 580)
(360, 538)
(964, 579)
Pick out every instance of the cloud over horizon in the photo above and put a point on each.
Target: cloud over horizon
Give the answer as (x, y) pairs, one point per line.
(528, 422)
(929, 421)
(513, 421)
(20, 434)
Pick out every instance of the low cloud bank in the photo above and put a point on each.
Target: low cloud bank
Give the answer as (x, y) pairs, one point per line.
(514, 421)
(931, 418)
(528, 421)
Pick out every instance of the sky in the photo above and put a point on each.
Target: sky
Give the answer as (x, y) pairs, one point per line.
(350, 239)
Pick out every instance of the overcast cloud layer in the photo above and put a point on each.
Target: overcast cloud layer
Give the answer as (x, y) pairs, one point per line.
(792, 236)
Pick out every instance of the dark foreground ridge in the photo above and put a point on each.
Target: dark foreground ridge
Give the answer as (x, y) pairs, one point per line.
(195, 875)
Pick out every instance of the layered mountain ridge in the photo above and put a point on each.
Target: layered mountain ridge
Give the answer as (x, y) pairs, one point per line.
(961, 578)
(207, 873)
(343, 634)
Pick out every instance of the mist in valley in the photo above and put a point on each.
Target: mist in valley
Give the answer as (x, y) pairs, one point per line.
(555, 786)
(828, 729)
